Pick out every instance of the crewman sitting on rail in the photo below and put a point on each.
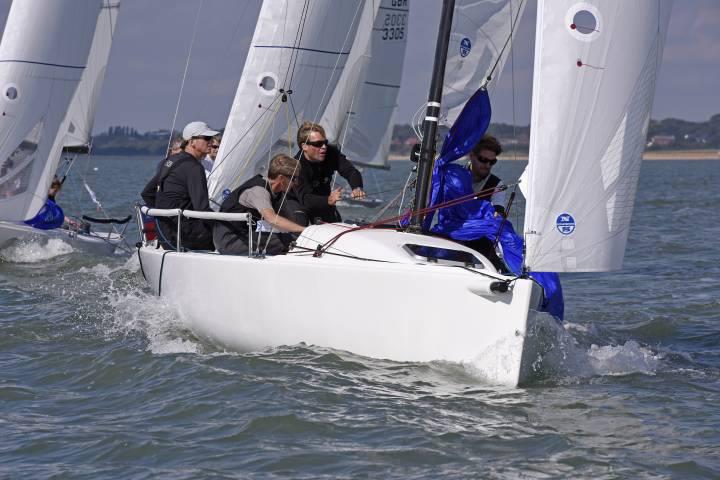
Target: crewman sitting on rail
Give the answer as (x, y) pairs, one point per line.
(265, 200)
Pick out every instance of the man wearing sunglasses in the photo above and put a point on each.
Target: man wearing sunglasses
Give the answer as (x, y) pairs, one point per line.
(209, 161)
(319, 161)
(181, 183)
(482, 158)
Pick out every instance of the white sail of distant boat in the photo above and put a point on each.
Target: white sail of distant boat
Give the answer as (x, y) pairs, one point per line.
(588, 130)
(43, 53)
(360, 112)
(479, 42)
(297, 55)
(346, 89)
(81, 115)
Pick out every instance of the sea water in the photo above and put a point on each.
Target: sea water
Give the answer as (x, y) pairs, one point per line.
(101, 379)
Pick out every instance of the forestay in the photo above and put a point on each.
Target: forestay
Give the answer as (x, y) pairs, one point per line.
(595, 70)
(361, 109)
(479, 42)
(42, 57)
(298, 47)
(81, 116)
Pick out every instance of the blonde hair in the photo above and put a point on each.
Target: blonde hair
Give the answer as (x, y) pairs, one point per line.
(306, 129)
(282, 164)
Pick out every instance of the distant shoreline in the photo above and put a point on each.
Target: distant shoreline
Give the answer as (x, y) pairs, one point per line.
(712, 154)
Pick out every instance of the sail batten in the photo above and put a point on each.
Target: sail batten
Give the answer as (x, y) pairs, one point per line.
(594, 81)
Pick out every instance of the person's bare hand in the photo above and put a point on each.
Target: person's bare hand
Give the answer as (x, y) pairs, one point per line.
(334, 196)
(358, 193)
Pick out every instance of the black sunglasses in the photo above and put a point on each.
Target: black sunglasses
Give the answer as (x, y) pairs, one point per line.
(206, 138)
(491, 161)
(317, 143)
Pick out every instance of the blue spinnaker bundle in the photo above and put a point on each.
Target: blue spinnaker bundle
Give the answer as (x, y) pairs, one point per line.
(50, 216)
(474, 219)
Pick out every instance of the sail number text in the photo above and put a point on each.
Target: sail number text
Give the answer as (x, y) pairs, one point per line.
(394, 26)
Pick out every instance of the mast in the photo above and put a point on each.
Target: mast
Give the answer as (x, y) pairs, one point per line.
(427, 147)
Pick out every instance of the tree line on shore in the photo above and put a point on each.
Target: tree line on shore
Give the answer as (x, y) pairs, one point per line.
(667, 134)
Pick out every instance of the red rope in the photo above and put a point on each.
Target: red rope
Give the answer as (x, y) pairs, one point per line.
(411, 214)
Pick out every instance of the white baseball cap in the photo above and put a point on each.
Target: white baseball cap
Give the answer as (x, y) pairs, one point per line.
(197, 129)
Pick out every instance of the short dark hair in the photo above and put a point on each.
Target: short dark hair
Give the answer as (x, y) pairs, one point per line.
(487, 142)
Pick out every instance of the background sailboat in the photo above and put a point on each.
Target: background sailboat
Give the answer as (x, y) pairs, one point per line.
(360, 112)
(54, 69)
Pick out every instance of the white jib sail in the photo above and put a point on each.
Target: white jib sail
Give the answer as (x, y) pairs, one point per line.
(594, 82)
(480, 31)
(298, 47)
(81, 116)
(43, 53)
(365, 100)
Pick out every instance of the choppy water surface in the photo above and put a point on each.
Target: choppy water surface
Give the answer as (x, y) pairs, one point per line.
(101, 380)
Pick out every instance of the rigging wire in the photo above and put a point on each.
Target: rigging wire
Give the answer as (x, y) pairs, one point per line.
(337, 60)
(184, 77)
(513, 24)
(413, 213)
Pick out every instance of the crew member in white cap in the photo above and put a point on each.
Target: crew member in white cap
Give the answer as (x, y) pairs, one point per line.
(181, 183)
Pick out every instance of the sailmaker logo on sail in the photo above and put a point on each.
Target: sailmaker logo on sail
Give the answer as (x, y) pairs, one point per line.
(465, 47)
(565, 223)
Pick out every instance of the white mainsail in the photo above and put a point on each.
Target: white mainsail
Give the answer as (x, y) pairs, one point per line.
(43, 53)
(298, 47)
(81, 116)
(595, 70)
(478, 41)
(364, 102)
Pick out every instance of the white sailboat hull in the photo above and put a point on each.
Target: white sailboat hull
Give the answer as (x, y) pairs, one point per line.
(404, 311)
(95, 243)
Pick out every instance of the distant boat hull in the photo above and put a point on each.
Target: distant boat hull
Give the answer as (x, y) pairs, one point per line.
(95, 243)
(409, 310)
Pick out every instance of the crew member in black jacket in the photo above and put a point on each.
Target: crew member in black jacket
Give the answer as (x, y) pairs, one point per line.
(264, 200)
(318, 162)
(181, 183)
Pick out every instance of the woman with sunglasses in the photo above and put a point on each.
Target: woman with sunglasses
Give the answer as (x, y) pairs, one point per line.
(482, 158)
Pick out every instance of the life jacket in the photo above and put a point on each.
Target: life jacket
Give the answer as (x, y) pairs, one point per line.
(491, 181)
(232, 204)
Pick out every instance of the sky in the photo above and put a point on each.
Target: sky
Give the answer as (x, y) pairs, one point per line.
(153, 38)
